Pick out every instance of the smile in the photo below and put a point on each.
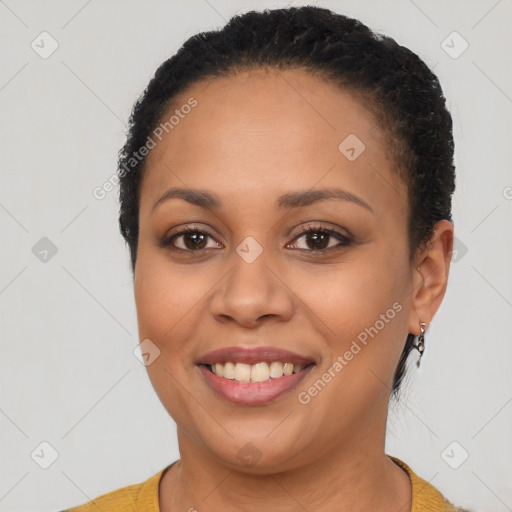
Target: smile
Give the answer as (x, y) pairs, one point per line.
(253, 375)
(259, 372)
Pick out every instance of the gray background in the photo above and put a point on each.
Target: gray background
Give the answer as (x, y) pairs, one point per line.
(68, 373)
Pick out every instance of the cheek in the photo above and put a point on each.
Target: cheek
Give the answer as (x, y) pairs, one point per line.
(364, 306)
(352, 299)
(363, 320)
(164, 299)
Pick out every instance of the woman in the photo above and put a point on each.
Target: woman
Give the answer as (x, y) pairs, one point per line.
(286, 198)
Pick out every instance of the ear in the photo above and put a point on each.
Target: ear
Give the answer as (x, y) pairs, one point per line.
(430, 276)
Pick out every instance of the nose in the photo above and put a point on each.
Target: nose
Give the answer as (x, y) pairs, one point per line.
(250, 292)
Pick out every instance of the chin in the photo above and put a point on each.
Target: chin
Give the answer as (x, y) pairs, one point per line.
(259, 455)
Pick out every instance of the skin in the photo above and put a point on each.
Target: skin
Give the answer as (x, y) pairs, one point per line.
(251, 138)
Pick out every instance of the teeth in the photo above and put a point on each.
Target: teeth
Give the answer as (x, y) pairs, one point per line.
(276, 370)
(242, 372)
(219, 370)
(259, 372)
(288, 368)
(229, 371)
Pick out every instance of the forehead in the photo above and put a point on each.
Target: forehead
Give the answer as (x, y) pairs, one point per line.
(263, 131)
(277, 108)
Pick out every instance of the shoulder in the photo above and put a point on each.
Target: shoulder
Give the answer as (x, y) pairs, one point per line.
(425, 497)
(132, 498)
(450, 507)
(120, 500)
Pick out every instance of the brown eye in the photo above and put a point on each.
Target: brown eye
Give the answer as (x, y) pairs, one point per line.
(190, 240)
(194, 240)
(318, 239)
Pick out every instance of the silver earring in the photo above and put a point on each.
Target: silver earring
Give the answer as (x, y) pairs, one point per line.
(420, 346)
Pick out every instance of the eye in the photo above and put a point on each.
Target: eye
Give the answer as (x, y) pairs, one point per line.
(190, 240)
(317, 240)
(320, 239)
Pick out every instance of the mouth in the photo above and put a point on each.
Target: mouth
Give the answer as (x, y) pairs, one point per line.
(253, 376)
(259, 372)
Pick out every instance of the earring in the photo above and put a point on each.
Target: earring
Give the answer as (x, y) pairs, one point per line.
(420, 346)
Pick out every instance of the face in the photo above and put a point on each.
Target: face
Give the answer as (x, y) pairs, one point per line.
(302, 247)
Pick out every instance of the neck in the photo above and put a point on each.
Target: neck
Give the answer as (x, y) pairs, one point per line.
(356, 479)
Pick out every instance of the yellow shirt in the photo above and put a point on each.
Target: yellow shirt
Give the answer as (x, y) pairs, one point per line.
(143, 497)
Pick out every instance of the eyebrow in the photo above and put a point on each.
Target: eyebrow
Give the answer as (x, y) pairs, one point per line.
(295, 199)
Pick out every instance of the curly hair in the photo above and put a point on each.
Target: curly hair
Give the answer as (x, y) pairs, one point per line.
(392, 82)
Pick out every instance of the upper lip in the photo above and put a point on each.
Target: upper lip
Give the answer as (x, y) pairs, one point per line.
(253, 355)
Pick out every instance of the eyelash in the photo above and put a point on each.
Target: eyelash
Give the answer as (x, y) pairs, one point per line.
(345, 241)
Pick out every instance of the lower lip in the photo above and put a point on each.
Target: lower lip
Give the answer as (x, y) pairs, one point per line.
(253, 393)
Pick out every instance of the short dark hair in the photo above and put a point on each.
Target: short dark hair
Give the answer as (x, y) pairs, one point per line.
(393, 82)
